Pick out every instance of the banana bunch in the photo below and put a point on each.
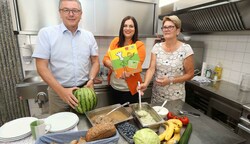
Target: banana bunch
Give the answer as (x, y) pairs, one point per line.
(171, 135)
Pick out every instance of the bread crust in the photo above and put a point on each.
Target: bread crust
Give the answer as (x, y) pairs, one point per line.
(100, 131)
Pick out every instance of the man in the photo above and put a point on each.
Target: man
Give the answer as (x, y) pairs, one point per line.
(66, 57)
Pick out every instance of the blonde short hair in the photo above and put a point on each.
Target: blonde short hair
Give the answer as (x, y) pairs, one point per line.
(174, 19)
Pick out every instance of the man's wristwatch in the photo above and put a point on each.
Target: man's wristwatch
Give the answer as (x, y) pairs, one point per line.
(171, 80)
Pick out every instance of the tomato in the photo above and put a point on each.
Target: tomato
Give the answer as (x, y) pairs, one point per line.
(170, 115)
(175, 117)
(184, 120)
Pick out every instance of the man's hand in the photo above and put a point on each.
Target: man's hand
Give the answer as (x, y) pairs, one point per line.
(68, 97)
(90, 84)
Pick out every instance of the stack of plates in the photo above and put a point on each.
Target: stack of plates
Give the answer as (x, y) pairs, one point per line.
(16, 129)
(62, 121)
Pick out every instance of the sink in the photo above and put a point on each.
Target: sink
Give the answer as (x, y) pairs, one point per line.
(33, 79)
(30, 87)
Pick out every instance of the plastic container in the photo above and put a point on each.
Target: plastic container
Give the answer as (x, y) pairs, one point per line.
(218, 70)
(127, 131)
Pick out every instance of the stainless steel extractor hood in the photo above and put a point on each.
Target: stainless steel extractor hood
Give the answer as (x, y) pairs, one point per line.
(222, 15)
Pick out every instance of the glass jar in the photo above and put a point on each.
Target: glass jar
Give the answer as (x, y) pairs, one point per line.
(245, 82)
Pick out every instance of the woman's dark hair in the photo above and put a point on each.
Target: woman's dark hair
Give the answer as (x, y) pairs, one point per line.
(121, 35)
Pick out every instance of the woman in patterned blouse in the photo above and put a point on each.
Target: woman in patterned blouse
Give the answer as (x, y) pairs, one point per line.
(171, 64)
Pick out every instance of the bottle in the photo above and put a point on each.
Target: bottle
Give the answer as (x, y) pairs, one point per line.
(208, 73)
(218, 70)
(215, 76)
(203, 70)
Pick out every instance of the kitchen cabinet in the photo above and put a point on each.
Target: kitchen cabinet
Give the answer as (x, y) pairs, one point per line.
(224, 113)
(197, 98)
(217, 101)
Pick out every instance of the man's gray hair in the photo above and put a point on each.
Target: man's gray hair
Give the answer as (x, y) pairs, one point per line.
(70, 0)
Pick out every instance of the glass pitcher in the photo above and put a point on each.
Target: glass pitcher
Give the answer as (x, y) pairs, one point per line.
(245, 82)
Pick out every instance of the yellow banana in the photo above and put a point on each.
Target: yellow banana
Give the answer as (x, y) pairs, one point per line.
(176, 129)
(177, 122)
(175, 139)
(162, 135)
(170, 130)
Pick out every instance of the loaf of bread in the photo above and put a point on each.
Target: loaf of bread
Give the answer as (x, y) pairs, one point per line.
(100, 131)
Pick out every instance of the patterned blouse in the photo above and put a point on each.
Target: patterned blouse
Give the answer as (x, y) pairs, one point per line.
(169, 64)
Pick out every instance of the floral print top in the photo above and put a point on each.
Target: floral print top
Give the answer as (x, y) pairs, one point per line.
(169, 64)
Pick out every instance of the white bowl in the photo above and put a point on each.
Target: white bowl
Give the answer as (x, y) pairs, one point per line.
(163, 112)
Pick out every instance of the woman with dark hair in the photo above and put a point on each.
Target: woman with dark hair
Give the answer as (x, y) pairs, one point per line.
(124, 89)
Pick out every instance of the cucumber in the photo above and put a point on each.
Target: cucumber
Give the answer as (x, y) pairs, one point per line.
(186, 135)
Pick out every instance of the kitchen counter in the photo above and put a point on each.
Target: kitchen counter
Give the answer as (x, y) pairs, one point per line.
(205, 130)
(224, 90)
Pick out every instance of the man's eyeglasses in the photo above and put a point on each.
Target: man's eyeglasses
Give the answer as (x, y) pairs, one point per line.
(168, 28)
(74, 11)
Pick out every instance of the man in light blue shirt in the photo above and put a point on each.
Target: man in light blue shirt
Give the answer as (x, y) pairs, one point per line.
(66, 57)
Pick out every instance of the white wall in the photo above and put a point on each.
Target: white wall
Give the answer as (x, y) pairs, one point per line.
(233, 51)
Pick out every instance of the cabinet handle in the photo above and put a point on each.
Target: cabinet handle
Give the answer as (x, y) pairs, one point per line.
(244, 128)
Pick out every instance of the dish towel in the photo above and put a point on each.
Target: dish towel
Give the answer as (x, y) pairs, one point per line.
(201, 79)
(30, 140)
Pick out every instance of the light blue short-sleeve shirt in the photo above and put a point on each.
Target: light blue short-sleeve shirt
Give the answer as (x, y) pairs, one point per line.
(68, 54)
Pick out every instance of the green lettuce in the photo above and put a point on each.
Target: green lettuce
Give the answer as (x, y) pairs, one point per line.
(146, 136)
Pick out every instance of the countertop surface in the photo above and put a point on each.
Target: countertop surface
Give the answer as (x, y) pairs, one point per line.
(225, 90)
(205, 129)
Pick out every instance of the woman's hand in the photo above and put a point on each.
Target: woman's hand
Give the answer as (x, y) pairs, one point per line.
(126, 74)
(142, 88)
(162, 81)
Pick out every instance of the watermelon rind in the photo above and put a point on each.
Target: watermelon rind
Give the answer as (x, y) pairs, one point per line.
(87, 99)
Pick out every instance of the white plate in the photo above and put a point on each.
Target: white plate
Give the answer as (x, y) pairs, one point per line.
(16, 129)
(62, 121)
(15, 138)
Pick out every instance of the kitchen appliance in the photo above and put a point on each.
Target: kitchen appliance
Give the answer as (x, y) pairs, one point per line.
(244, 124)
(215, 16)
